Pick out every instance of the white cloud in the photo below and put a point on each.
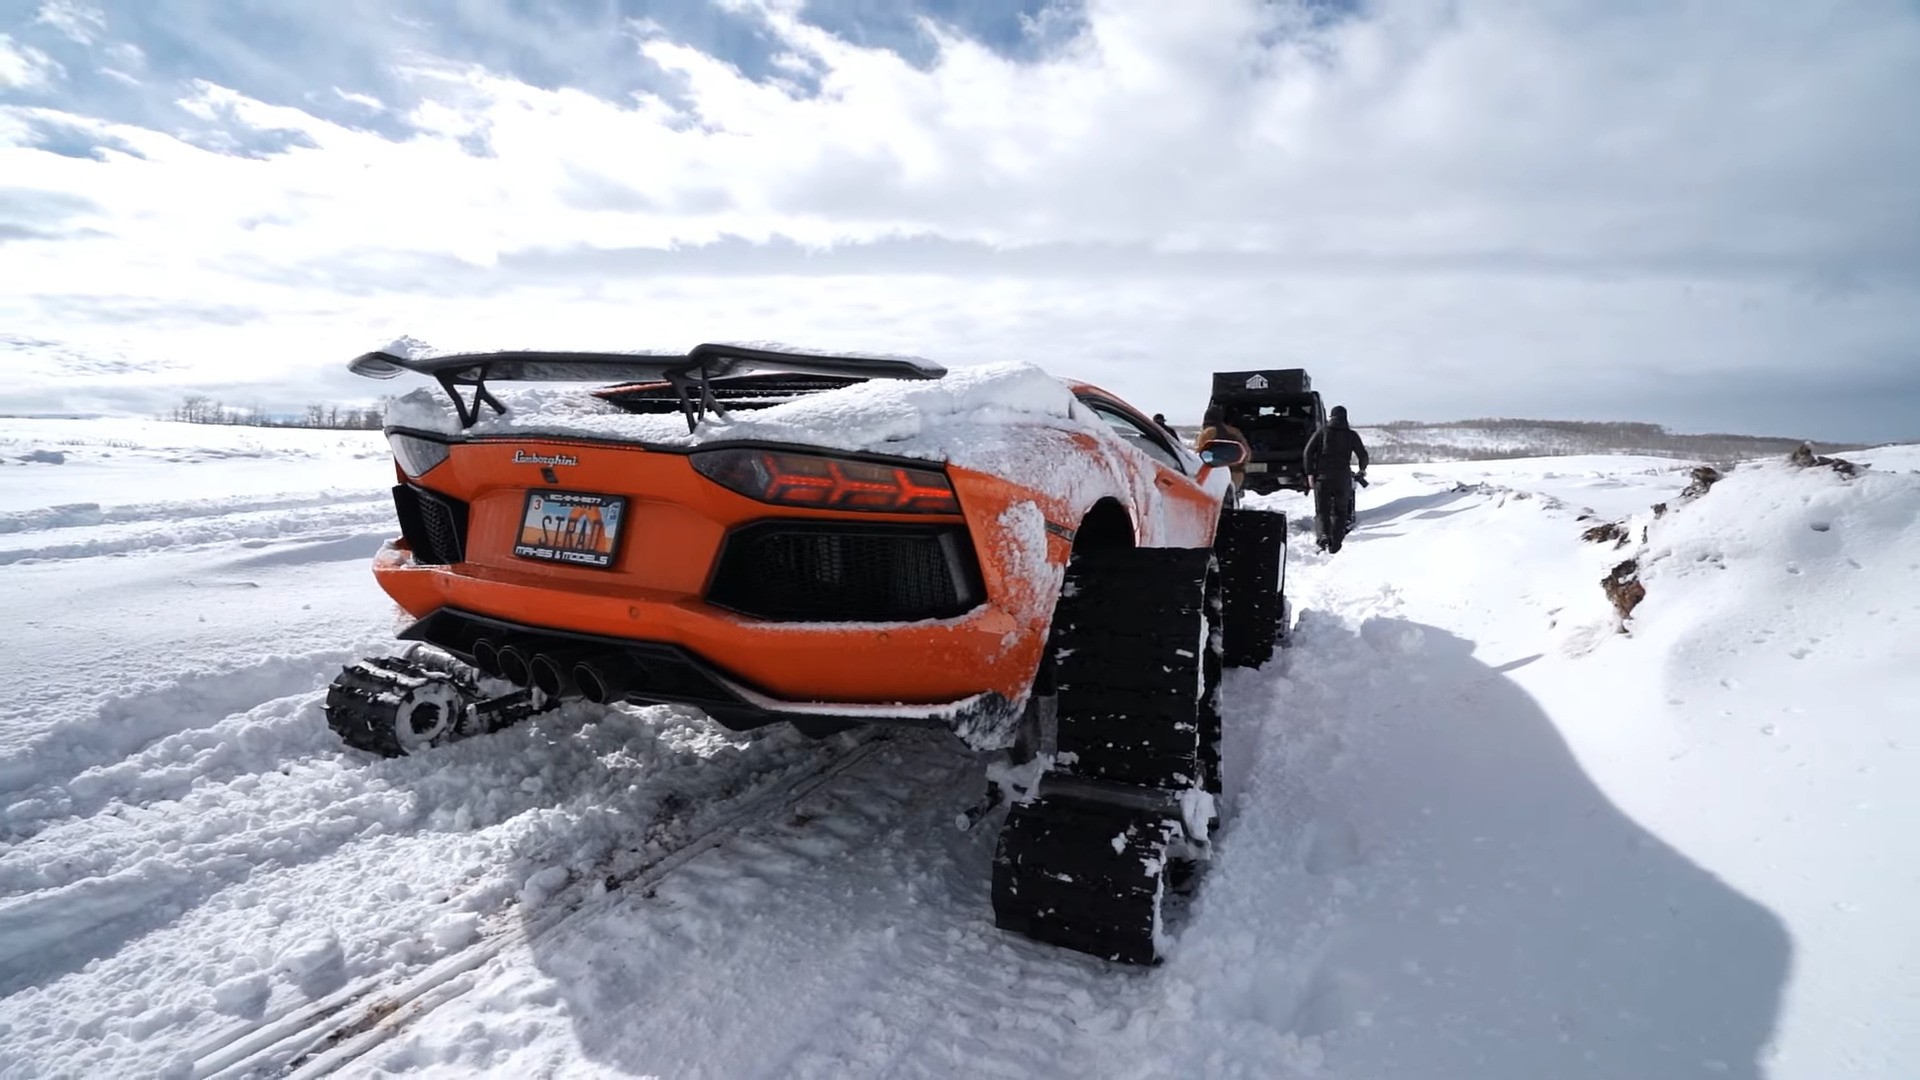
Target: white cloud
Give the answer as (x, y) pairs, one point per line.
(1519, 191)
(82, 23)
(23, 67)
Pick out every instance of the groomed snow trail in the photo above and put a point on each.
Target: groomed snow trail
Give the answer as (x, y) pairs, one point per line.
(1473, 831)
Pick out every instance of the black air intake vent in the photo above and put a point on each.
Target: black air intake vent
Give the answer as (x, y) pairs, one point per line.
(732, 392)
(803, 572)
(434, 525)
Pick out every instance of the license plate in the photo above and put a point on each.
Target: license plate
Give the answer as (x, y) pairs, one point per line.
(572, 527)
(1256, 466)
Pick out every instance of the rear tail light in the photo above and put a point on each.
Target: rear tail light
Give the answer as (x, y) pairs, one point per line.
(416, 456)
(828, 483)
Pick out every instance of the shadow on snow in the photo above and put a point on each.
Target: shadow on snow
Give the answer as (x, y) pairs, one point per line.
(1418, 879)
(1435, 888)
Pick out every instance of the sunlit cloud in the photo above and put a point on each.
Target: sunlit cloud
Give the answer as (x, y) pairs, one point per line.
(1444, 208)
(81, 23)
(23, 67)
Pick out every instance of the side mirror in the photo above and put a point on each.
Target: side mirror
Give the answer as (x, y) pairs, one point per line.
(1224, 454)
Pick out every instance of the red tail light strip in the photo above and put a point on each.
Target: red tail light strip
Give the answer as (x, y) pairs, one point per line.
(829, 483)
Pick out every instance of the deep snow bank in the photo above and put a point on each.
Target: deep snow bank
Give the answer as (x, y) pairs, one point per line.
(1768, 697)
(1756, 719)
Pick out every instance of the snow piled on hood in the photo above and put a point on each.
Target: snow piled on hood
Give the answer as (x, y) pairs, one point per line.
(975, 417)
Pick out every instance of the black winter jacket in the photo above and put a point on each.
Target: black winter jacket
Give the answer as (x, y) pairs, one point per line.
(1330, 448)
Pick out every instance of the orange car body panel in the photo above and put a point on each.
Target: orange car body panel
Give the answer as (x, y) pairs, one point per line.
(677, 520)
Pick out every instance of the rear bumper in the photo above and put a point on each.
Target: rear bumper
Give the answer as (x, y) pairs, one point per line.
(656, 672)
(1276, 475)
(923, 663)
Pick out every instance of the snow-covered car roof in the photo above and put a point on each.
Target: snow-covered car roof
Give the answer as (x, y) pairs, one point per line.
(991, 417)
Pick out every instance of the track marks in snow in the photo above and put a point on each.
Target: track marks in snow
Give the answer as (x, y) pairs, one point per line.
(331, 874)
(87, 515)
(850, 937)
(335, 1043)
(320, 520)
(108, 750)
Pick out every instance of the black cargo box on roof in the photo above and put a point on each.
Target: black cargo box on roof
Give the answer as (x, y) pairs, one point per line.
(1228, 385)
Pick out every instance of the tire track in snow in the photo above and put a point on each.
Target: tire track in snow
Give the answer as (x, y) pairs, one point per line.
(36, 780)
(869, 904)
(328, 517)
(89, 514)
(333, 1032)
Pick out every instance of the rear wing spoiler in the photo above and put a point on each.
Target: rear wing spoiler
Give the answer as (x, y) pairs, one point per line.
(690, 375)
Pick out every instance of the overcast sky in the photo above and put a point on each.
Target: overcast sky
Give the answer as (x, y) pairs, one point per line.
(1704, 214)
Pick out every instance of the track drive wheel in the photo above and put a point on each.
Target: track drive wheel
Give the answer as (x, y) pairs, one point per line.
(393, 706)
(1086, 862)
(1252, 545)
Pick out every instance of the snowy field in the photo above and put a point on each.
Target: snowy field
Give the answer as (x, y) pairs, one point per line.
(1474, 832)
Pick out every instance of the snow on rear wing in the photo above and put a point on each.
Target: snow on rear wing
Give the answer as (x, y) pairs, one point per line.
(689, 374)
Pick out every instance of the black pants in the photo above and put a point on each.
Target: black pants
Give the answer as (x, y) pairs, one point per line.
(1332, 509)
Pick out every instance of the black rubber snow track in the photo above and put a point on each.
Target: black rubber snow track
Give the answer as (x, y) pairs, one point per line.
(1252, 548)
(368, 697)
(1085, 865)
(1084, 875)
(1129, 639)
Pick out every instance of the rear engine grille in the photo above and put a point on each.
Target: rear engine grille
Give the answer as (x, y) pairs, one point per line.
(847, 573)
(732, 392)
(434, 525)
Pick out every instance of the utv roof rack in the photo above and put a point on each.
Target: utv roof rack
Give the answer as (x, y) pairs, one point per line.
(690, 374)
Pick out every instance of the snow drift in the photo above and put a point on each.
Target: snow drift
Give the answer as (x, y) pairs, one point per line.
(1472, 830)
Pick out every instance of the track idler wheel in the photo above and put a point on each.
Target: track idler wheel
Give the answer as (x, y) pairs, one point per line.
(393, 706)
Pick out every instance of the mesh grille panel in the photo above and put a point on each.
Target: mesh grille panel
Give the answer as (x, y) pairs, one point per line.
(434, 526)
(838, 574)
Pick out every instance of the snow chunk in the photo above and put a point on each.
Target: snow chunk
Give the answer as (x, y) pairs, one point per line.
(407, 347)
(542, 885)
(458, 930)
(245, 996)
(1196, 810)
(317, 965)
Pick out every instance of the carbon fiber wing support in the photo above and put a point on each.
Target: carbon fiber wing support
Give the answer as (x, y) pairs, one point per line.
(464, 376)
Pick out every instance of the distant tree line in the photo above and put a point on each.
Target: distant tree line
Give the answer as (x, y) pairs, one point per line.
(1402, 442)
(201, 409)
(1406, 441)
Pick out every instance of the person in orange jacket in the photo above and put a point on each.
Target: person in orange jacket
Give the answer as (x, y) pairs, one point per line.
(1215, 426)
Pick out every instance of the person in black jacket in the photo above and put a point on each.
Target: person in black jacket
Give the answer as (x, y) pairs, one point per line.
(1328, 456)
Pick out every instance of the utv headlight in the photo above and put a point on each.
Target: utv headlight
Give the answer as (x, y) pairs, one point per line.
(418, 456)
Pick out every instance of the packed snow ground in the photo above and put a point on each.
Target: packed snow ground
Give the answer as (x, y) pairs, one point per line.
(1474, 830)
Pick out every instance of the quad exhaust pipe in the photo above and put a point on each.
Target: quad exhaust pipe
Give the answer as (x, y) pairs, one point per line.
(599, 681)
(486, 656)
(597, 675)
(553, 673)
(515, 665)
